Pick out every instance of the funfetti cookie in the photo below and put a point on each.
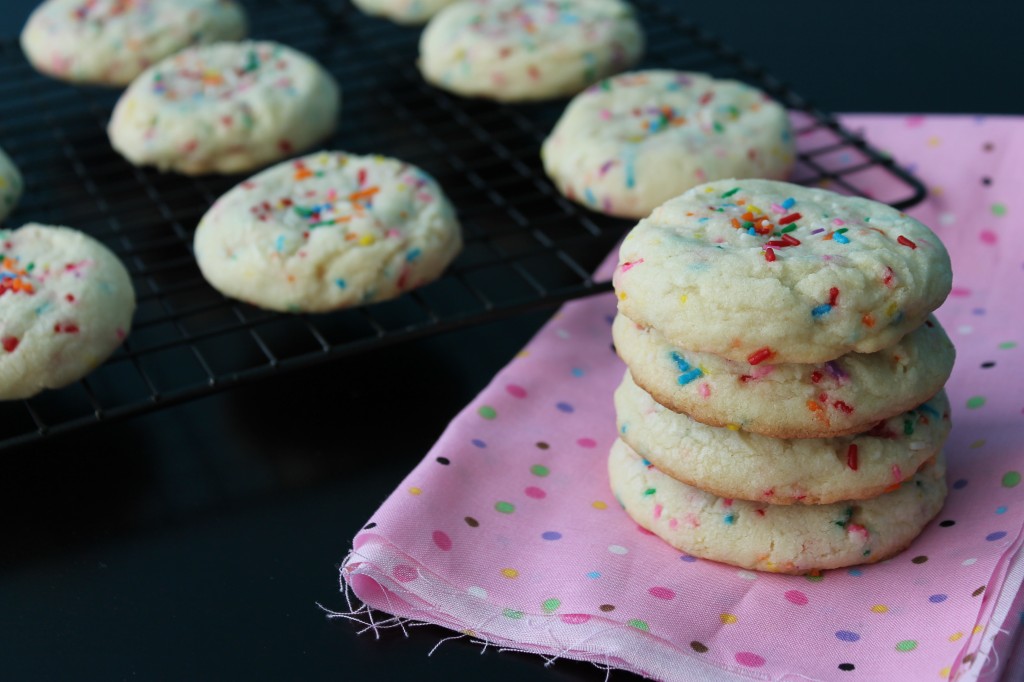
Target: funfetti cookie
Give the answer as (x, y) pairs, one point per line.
(402, 11)
(775, 538)
(225, 108)
(516, 50)
(735, 464)
(10, 185)
(631, 142)
(327, 231)
(847, 395)
(768, 272)
(110, 42)
(66, 304)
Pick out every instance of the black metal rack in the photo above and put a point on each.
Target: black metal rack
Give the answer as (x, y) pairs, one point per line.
(526, 246)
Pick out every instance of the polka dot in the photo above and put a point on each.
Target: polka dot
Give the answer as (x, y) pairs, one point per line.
(587, 443)
(551, 535)
(947, 218)
(565, 407)
(1000, 510)
(606, 607)
(1007, 345)
(478, 592)
(960, 291)
(687, 558)
(541, 445)
(960, 484)
(441, 539)
(796, 597)
(948, 523)
(535, 493)
(965, 329)
(998, 535)
(880, 608)
(847, 667)
(598, 504)
(977, 629)
(855, 572)
(563, 333)
(369, 526)
(550, 605)
(577, 372)
(617, 549)
(968, 562)
(478, 443)
(515, 391)
(944, 673)
(514, 615)
(1011, 479)
(487, 412)
(415, 491)
(919, 559)
(539, 470)
(988, 237)
(938, 598)
(471, 522)
(975, 402)
(728, 618)
(638, 624)
(986, 181)
(956, 636)
(594, 575)
(510, 573)
(505, 507)
(978, 592)
(978, 444)
(810, 577)
(998, 209)
(699, 647)
(661, 593)
(847, 636)
(746, 575)
(404, 574)
(906, 645)
(574, 618)
(751, 660)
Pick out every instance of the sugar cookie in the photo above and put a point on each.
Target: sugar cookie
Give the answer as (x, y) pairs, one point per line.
(402, 11)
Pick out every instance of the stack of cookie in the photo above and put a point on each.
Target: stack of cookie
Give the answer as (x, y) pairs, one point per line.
(783, 407)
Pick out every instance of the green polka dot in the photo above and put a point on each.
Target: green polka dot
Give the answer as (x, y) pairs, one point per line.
(551, 604)
(639, 625)
(975, 402)
(1011, 479)
(487, 412)
(505, 507)
(514, 615)
(539, 470)
(1007, 345)
(906, 645)
(815, 578)
(999, 209)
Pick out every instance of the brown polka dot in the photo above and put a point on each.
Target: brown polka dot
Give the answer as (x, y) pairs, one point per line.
(920, 559)
(606, 607)
(471, 522)
(978, 591)
(947, 523)
(542, 445)
(986, 181)
(968, 658)
(698, 647)
(988, 146)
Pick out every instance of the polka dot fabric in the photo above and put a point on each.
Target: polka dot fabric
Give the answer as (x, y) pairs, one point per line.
(508, 528)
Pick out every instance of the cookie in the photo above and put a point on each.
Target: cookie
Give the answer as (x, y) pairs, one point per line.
(734, 464)
(843, 396)
(518, 50)
(766, 272)
(632, 142)
(10, 185)
(776, 538)
(225, 108)
(110, 42)
(66, 304)
(327, 231)
(409, 12)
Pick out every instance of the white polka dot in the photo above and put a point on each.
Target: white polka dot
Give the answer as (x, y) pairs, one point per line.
(563, 333)
(478, 592)
(617, 549)
(947, 218)
(746, 575)
(965, 329)
(969, 562)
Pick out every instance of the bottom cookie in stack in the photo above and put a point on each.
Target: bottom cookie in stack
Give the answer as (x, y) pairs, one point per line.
(777, 538)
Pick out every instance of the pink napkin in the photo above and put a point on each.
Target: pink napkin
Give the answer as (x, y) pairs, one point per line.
(507, 531)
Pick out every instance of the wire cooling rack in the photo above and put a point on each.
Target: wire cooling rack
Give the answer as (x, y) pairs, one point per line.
(526, 246)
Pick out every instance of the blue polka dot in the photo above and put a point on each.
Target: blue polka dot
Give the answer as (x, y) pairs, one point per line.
(566, 407)
(998, 535)
(1000, 510)
(609, 318)
(847, 636)
(594, 575)
(938, 598)
(687, 558)
(577, 372)
(855, 572)
(960, 484)
(551, 535)
(978, 311)
(479, 443)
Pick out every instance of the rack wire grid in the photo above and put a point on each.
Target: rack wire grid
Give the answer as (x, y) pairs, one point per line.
(525, 245)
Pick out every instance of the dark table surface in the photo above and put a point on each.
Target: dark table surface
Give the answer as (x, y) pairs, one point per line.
(196, 542)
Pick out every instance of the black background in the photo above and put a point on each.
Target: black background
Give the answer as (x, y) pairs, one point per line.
(152, 549)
